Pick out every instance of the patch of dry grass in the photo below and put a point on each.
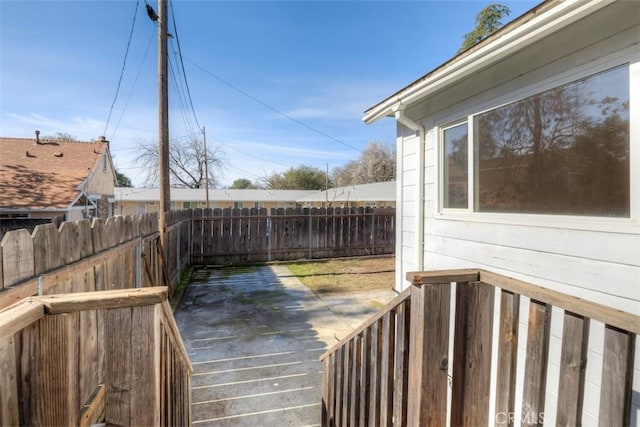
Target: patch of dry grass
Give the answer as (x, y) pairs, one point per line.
(345, 275)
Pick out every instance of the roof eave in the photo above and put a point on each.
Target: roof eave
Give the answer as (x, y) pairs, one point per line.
(530, 27)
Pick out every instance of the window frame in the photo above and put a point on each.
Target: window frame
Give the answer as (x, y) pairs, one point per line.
(442, 158)
(579, 222)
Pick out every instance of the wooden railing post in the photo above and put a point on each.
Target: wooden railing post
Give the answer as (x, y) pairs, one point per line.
(617, 377)
(131, 360)
(429, 338)
(472, 354)
(57, 393)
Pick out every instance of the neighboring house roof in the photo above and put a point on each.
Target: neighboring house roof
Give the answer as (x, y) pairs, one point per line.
(539, 22)
(374, 192)
(199, 195)
(45, 175)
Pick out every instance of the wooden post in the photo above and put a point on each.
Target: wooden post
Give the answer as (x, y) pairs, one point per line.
(163, 124)
(535, 369)
(472, 354)
(387, 371)
(429, 336)
(573, 363)
(401, 364)
(8, 383)
(617, 377)
(57, 384)
(507, 356)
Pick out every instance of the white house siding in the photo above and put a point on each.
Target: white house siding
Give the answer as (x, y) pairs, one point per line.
(596, 259)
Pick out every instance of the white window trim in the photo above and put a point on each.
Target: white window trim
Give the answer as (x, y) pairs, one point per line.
(440, 166)
(629, 225)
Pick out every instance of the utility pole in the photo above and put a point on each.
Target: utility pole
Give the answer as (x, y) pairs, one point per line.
(163, 122)
(206, 167)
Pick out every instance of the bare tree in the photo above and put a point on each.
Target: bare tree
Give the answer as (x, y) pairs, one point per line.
(186, 163)
(377, 163)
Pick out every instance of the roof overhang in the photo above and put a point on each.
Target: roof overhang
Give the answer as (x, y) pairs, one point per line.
(533, 26)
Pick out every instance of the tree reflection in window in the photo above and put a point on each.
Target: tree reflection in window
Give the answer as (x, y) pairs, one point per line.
(456, 188)
(564, 151)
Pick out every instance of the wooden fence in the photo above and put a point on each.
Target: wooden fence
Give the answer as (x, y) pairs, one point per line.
(83, 256)
(252, 235)
(124, 252)
(394, 369)
(64, 361)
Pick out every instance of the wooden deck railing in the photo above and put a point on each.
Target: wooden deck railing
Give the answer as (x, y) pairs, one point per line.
(396, 368)
(76, 359)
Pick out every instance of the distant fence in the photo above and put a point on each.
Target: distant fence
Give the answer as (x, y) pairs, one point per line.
(223, 236)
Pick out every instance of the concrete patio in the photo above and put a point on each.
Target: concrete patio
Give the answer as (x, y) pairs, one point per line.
(254, 335)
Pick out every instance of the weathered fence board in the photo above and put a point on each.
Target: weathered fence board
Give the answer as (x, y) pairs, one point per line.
(57, 372)
(617, 377)
(573, 363)
(535, 369)
(472, 344)
(17, 256)
(8, 383)
(46, 248)
(507, 352)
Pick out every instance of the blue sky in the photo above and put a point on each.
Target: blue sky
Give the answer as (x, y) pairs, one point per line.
(313, 66)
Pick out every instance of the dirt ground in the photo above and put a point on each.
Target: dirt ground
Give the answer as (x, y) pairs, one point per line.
(346, 275)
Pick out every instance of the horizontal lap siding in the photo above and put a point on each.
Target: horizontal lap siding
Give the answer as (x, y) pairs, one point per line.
(600, 281)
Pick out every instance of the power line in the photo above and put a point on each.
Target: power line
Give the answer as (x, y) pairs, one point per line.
(184, 74)
(275, 110)
(135, 82)
(124, 63)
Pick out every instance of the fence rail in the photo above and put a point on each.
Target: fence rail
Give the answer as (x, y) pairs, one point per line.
(366, 376)
(64, 361)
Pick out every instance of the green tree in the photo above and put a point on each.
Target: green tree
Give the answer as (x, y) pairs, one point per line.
(488, 20)
(123, 180)
(243, 183)
(377, 163)
(298, 178)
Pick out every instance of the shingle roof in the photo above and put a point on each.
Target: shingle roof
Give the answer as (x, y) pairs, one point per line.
(45, 175)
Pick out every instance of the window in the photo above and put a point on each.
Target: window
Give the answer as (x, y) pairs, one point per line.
(455, 143)
(564, 152)
(238, 205)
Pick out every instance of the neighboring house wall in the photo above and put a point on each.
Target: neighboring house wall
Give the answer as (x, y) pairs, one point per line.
(101, 179)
